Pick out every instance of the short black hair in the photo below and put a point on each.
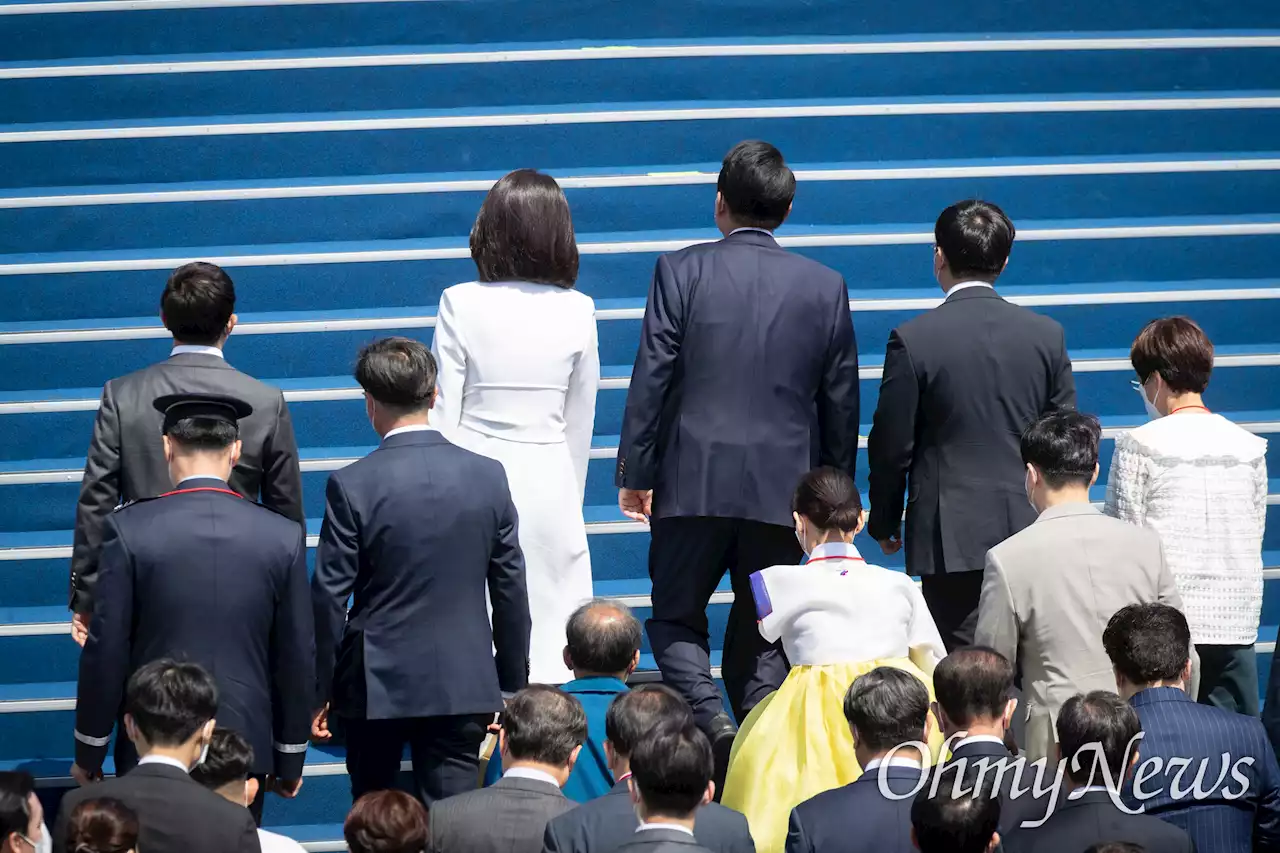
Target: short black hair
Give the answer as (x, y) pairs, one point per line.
(756, 184)
(602, 636)
(976, 238)
(828, 497)
(197, 303)
(1177, 349)
(544, 724)
(230, 759)
(633, 713)
(672, 766)
(888, 707)
(1100, 719)
(16, 787)
(203, 433)
(1063, 446)
(973, 683)
(948, 821)
(1148, 642)
(399, 373)
(169, 701)
(524, 232)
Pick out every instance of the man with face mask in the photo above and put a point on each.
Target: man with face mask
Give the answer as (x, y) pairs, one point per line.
(226, 771)
(202, 574)
(22, 828)
(169, 710)
(1049, 590)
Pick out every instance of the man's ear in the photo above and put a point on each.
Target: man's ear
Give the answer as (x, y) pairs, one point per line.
(995, 843)
(1094, 478)
(610, 756)
(573, 756)
(236, 450)
(1010, 708)
(231, 324)
(168, 449)
(709, 794)
(250, 791)
(635, 662)
(633, 791)
(502, 741)
(568, 661)
(1186, 675)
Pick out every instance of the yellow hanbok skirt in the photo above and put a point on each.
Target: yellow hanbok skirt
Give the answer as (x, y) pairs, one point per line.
(796, 744)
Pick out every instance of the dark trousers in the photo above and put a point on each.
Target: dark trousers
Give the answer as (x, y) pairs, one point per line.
(687, 559)
(1229, 678)
(953, 603)
(445, 753)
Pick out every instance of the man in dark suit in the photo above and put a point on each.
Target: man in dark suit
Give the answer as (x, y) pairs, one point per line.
(1228, 797)
(202, 574)
(960, 384)
(542, 733)
(670, 782)
(746, 378)
(888, 711)
(169, 715)
(1098, 739)
(417, 530)
(953, 816)
(609, 821)
(125, 460)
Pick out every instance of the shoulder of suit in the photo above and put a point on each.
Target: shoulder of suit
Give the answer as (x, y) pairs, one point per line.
(135, 502)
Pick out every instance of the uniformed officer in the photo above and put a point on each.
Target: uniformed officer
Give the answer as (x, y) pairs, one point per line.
(204, 575)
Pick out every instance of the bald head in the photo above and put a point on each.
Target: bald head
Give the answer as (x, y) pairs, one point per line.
(603, 638)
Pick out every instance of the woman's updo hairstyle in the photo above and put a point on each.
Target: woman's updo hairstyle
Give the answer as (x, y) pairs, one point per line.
(827, 497)
(102, 826)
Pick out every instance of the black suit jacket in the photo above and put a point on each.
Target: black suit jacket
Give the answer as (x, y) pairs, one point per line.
(858, 817)
(508, 817)
(176, 815)
(416, 530)
(661, 841)
(125, 461)
(1076, 825)
(1012, 778)
(960, 384)
(747, 377)
(609, 821)
(207, 576)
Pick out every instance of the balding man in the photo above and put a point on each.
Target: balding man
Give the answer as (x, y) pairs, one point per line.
(602, 648)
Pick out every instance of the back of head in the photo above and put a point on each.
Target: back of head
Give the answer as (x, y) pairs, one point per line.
(16, 787)
(398, 373)
(170, 701)
(757, 185)
(828, 497)
(975, 238)
(633, 714)
(602, 637)
(973, 683)
(1093, 728)
(544, 724)
(386, 822)
(103, 825)
(1148, 643)
(1063, 447)
(203, 435)
(197, 303)
(887, 707)
(228, 762)
(955, 816)
(1177, 349)
(524, 232)
(671, 767)
(1117, 847)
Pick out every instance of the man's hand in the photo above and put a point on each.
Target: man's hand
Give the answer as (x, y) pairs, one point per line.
(80, 627)
(287, 788)
(84, 777)
(636, 504)
(893, 544)
(320, 728)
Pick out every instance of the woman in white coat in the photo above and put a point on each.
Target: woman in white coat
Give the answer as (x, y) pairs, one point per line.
(519, 366)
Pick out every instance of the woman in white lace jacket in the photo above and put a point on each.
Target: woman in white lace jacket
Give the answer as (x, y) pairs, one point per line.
(1201, 482)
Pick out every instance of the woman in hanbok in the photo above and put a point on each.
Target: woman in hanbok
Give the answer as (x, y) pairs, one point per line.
(838, 618)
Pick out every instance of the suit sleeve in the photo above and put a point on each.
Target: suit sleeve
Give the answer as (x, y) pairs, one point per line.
(580, 407)
(451, 363)
(892, 439)
(510, 598)
(281, 475)
(99, 495)
(293, 652)
(551, 839)
(997, 615)
(661, 335)
(838, 392)
(797, 841)
(105, 660)
(337, 562)
(1063, 393)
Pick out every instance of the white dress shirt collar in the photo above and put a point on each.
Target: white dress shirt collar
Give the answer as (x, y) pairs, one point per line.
(677, 827)
(968, 739)
(163, 759)
(965, 285)
(835, 551)
(410, 428)
(896, 761)
(751, 228)
(199, 477)
(198, 350)
(530, 773)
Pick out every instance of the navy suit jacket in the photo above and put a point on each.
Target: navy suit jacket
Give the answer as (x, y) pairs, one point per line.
(746, 378)
(1222, 821)
(204, 575)
(1076, 825)
(416, 531)
(1013, 778)
(857, 818)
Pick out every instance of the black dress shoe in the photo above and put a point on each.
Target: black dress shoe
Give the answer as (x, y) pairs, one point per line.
(721, 732)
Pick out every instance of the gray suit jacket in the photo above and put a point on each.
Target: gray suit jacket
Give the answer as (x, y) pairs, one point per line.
(662, 841)
(126, 456)
(1047, 595)
(509, 817)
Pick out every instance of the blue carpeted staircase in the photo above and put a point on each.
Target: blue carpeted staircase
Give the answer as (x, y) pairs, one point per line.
(333, 154)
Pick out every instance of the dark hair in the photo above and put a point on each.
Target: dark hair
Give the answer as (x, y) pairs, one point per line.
(1116, 847)
(203, 433)
(169, 701)
(602, 636)
(632, 714)
(888, 707)
(544, 724)
(398, 372)
(975, 237)
(1087, 722)
(827, 497)
(672, 765)
(103, 825)
(1177, 349)
(955, 816)
(197, 303)
(524, 232)
(756, 185)
(1148, 642)
(973, 683)
(386, 822)
(230, 759)
(1063, 447)
(16, 787)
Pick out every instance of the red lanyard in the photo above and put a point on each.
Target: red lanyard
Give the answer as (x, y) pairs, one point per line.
(203, 489)
(1185, 408)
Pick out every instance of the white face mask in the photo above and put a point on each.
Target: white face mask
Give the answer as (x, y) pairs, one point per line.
(45, 844)
(1026, 485)
(1152, 411)
(800, 539)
